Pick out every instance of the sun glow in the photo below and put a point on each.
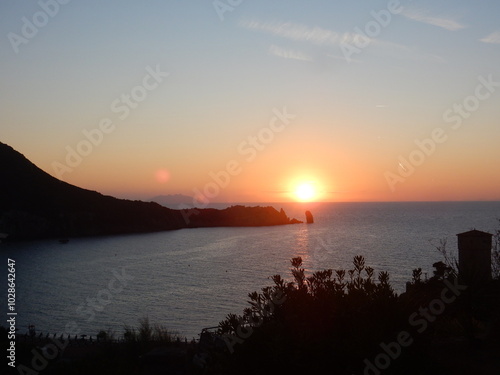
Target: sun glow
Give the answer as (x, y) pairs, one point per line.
(305, 192)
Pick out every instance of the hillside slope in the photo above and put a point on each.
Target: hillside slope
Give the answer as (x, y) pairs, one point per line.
(33, 204)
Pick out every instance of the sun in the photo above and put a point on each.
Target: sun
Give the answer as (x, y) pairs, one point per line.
(305, 192)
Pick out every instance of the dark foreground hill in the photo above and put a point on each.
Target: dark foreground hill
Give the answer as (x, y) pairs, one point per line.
(33, 204)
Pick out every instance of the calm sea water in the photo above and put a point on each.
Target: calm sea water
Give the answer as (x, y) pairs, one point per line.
(192, 278)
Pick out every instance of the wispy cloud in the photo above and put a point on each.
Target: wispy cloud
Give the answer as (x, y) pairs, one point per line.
(447, 23)
(287, 53)
(298, 32)
(324, 37)
(493, 38)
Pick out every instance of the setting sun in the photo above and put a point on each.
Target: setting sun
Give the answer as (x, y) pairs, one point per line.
(305, 192)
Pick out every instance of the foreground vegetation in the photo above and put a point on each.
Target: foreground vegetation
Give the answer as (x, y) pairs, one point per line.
(351, 322)
(325, 321)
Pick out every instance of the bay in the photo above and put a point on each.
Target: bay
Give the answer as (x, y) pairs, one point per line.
(190, 279)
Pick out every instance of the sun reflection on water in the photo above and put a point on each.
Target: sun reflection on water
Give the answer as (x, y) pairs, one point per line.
(303, 247)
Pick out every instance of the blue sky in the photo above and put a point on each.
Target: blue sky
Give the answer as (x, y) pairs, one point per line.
(228, 71)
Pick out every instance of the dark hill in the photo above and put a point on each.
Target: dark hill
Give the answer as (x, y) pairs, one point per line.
(33, 204)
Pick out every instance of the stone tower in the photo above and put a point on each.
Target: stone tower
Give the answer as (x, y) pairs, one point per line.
(474, 257)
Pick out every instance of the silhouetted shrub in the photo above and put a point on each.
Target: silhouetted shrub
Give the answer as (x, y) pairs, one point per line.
(326, 322)
(108, 335)
(145, 330)
(146, 333)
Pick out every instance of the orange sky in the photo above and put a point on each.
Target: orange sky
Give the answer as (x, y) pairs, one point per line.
(164, 97)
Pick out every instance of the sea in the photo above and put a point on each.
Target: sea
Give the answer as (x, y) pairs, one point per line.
(189, 279)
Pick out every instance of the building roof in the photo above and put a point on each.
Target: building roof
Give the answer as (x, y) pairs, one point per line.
(474, 233)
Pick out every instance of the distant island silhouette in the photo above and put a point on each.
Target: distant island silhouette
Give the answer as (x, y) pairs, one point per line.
(172, 200)
(35, 205)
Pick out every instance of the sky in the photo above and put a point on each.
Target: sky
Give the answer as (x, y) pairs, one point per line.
(246, 101)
